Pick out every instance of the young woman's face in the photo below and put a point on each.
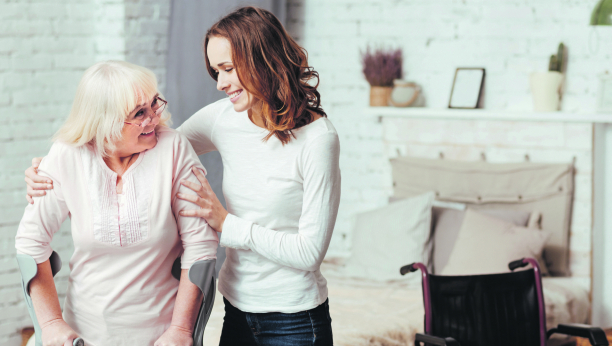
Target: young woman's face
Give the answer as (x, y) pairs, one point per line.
(137, 139)
(219, 53)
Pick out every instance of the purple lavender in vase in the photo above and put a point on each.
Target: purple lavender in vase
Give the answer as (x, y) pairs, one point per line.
(381, 67)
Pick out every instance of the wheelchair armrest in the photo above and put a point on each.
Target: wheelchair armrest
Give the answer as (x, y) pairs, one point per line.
(517, 264)
(434, 340)
(596, 335)
(409, 268)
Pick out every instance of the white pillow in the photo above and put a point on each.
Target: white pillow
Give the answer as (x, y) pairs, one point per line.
(390, 237)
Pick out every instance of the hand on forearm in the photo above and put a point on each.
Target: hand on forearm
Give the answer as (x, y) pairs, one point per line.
(186, 307)
(211, 209)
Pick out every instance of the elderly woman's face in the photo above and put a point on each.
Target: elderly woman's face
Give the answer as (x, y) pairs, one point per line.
(136, 137)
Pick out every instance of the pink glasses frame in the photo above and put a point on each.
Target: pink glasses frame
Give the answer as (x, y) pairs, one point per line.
(157, 112)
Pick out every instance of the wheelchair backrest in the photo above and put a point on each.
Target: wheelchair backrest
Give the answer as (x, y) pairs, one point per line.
(485, 310)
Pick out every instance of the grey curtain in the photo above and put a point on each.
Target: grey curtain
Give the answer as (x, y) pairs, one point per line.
(188, 85)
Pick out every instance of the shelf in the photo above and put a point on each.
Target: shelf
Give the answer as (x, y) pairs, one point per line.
(486, 114)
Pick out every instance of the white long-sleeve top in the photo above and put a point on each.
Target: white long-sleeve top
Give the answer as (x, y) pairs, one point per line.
(282, 202)
(120, 290)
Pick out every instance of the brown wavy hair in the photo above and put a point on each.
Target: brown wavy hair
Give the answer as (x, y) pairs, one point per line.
(272, 67)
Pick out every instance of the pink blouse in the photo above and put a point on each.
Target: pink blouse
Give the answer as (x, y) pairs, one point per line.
(120, 290)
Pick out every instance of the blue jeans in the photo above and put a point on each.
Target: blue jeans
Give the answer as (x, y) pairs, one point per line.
(310, 327)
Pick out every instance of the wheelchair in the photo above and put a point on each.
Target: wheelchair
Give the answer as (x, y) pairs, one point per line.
(201, 273)
(494, 309)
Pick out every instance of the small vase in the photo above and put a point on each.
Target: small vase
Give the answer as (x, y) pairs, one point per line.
(404, 93)
(546, 90)
(379, 96)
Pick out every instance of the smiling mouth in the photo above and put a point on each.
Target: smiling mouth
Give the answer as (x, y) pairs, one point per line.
(147, 133)
(235, 94)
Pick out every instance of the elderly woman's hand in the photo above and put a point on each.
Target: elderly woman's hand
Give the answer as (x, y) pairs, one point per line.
(175, 336)
(57, 333)
(36, 184)
(210, 208)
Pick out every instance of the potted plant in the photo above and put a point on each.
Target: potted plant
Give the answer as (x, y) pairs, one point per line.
(380, 68)
(546, 86)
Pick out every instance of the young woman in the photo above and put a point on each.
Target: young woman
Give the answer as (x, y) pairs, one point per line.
(116, 167)
(281, 182)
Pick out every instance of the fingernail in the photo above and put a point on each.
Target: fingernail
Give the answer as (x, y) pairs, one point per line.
(49, 181)
(181, 213)
(179, 194)
(49, 186)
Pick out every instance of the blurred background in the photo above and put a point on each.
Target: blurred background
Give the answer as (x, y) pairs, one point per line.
(46, 45)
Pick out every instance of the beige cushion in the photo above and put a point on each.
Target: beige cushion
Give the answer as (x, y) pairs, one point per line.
(447, 222)
(486, 245)
(390, 237)
(518, 186)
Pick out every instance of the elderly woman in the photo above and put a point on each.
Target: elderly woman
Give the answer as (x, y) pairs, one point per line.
(106, 159)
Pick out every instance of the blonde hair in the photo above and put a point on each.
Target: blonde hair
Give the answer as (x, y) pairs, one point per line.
(105, 96)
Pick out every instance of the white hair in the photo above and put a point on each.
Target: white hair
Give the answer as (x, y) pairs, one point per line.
(107, 93)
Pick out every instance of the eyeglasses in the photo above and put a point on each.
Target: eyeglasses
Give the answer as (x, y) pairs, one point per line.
(157, 108)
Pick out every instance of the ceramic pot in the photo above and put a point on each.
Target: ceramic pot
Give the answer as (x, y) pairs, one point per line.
(379, 96)
(404, 93)
(546, 90)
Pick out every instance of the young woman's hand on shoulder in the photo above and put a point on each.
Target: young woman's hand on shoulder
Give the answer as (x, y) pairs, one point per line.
(36, 184)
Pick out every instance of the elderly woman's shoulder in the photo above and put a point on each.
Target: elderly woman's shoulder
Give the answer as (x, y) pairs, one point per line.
(62, 149)
(168, 137)
(60, 156)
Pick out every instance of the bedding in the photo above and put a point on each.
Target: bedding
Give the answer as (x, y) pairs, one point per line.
(366, 312)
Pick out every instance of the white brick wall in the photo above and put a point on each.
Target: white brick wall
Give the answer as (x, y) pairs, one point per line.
(146, 28)
(510, 38)
(45, 46)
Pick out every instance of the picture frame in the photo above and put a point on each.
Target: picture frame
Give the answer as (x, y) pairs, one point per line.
(604, 94)
(466, 92)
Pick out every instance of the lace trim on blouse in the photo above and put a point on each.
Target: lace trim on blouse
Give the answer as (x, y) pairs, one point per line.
(119, 220)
